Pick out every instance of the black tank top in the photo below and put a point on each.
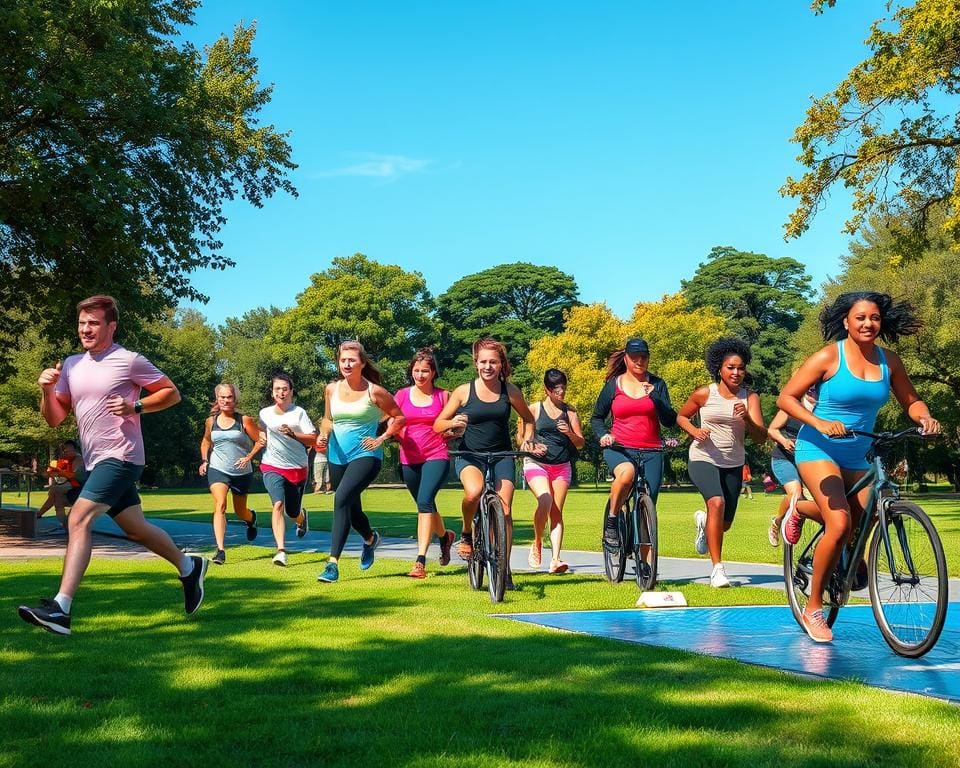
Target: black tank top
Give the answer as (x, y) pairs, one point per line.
(790, 431)
(488, 425)
(559, 448)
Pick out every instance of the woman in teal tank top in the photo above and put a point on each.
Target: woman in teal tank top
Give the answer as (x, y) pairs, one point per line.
(854, 377)
(354, 406)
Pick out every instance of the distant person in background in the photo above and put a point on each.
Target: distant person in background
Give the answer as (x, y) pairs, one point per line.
(557, 426)
(727, 412)
(103, 387)
(286, 431)
(746, 478)
(230, 441)
(321, 473)
(424, 459)
(66, 474)
(354, 406)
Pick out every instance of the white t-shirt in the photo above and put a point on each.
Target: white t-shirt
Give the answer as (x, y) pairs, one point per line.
(282, 451)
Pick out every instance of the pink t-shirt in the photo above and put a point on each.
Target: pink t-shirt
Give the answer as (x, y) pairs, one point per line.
(90, 380)
(419, 443)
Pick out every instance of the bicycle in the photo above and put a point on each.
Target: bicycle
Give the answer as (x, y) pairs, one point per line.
(489, 529)
(636, 528)
(906, 571)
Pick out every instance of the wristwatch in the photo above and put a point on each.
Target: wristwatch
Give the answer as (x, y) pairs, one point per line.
(138, 407)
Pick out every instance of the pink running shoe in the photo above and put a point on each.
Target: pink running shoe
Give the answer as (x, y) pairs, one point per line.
(792, 523)
(816, 627)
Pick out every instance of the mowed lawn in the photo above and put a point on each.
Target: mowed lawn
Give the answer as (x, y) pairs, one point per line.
(279, 670)
(379, 670)
(393, 513)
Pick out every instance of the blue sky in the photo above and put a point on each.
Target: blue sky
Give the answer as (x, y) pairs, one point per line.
(617, 141)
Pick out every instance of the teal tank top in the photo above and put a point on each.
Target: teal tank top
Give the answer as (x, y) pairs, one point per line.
(352, 421)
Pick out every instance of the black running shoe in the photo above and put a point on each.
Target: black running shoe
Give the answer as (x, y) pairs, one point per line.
(193, 584)
(611, 535)
(252, 527)
(302, 529)
(48, 615)
(220, 558)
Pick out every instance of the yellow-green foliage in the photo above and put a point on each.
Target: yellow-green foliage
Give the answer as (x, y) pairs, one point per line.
(884, 126)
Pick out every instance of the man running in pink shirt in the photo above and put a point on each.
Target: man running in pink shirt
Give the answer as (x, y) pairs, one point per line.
(102, 387)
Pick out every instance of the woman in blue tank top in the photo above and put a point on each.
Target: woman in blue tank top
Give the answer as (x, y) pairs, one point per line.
(854, 377)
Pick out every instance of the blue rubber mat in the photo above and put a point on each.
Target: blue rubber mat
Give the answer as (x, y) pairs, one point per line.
(768, 636)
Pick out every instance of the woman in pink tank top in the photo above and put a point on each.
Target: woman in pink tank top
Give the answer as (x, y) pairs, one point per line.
(424, 460)
(727, 411)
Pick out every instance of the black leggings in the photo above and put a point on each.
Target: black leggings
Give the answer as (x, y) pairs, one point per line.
(424, 481)
(349, 481)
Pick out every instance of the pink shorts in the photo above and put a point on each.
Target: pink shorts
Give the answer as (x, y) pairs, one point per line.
(532, 469)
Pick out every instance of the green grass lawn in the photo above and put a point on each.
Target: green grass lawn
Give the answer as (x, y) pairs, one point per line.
(379, 670)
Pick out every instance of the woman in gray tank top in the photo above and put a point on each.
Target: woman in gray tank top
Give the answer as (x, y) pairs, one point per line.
(230, 441)
(727, 411)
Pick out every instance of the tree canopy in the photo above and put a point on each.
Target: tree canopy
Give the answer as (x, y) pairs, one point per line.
(383, 306)
(515, 303)
(889, 131)
(119, 147)
(763, 299)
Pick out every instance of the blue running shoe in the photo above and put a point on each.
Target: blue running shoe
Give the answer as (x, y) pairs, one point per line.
(330, 574)
(366, 556)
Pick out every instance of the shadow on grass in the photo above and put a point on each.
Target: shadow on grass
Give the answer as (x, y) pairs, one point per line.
(276, 672)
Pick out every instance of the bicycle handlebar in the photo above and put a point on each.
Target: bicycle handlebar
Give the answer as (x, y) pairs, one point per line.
(885, 437)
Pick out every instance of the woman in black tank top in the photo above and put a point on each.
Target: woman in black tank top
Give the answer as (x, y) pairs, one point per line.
(480, 411)
(548, 478)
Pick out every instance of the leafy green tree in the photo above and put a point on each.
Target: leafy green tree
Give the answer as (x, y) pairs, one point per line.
(889, 131)
(382, 305)
(763, 299)
(185, 350)
(119, 147)
(515, 303)
(248, 358)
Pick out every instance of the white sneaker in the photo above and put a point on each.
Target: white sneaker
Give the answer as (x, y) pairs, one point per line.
(280, 558)
(718, 577)
(700, 540)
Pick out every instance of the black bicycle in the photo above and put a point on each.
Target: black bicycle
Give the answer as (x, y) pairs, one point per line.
(636, 529)
(906, 569)
(489, 528)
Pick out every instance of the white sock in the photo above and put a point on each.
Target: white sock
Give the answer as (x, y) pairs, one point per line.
(64, 601)
(186, 566)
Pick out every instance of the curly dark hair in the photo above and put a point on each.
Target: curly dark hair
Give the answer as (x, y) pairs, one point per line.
(897, 318)
(720, 350)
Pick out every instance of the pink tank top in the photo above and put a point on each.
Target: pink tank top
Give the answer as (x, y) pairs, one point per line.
(419, 443)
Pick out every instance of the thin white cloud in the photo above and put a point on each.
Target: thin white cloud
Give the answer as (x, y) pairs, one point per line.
(384, 167)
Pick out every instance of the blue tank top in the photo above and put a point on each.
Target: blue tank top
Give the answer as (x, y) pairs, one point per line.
(853, 401)
(352, 421)
(228, 445)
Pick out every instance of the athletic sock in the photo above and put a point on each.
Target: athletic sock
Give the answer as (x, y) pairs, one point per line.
(64, 601)
(187, 563)
(422, 559)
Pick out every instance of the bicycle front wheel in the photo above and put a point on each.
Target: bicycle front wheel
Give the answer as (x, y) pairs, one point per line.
(615, 558)
(798, 574)
(645, 543)
(908, 580)
(495, 537)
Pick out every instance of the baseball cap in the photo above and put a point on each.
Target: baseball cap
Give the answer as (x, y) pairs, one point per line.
(637, 347)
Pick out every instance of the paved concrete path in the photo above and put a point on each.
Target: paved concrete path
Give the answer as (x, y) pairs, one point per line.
(111, 542)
